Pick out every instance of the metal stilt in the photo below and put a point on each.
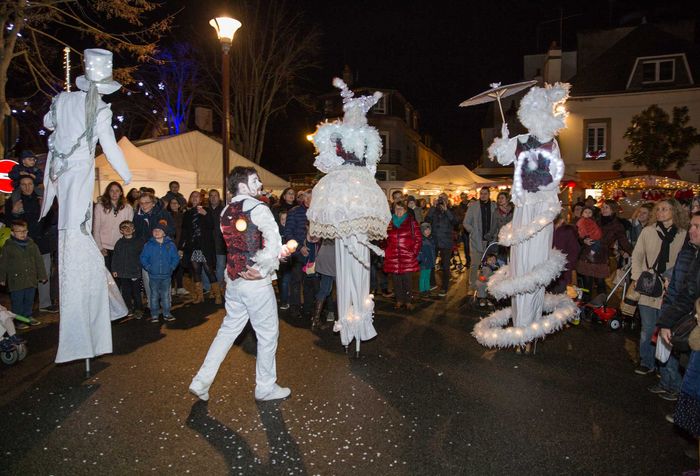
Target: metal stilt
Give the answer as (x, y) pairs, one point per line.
(87, 368)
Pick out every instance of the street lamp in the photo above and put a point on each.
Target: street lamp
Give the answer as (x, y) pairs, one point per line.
(225, 29)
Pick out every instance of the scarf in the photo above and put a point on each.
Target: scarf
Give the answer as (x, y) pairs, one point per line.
(667, 235)
(22, 243)
(398, 220)
(606, 220)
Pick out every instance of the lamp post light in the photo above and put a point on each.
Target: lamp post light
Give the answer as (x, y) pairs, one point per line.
(225, 29)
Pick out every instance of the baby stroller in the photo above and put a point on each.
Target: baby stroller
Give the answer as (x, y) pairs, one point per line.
(599, 310)
(480, 296)
(12, 349)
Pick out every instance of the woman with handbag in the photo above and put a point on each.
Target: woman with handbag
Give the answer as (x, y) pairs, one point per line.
(592, 266)
(654, 254)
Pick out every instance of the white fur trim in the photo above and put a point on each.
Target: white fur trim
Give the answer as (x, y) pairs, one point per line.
(502, 285)
(509, 237)
(490, 332)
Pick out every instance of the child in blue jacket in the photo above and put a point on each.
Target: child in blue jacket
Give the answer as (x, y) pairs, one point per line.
(160, 258)
(426, 258)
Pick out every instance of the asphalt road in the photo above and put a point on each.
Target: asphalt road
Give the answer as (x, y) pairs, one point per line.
(423, 398)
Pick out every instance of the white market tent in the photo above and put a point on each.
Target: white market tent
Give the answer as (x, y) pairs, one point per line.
(146, 171)
(449, 178)
(201, 154)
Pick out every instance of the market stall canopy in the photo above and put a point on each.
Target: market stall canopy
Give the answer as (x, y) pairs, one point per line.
(645, 182)
(450, 178)
(147, 171)
(201, 154)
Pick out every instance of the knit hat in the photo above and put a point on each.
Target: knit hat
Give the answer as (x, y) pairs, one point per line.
(161, 225)
(425, 226)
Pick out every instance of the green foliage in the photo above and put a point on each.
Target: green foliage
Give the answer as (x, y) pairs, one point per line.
(658, 142)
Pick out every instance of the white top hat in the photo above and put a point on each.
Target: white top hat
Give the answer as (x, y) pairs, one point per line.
(98, 69)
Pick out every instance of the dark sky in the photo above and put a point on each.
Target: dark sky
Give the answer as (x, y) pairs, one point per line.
(438, 53)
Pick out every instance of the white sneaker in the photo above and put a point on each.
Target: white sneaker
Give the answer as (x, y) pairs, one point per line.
(196, 391)
(182, 292)
(276, 393)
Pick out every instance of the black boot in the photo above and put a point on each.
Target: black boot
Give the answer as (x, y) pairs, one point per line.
(316, 318)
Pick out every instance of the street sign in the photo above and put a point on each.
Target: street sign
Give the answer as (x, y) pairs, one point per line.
(5, 181)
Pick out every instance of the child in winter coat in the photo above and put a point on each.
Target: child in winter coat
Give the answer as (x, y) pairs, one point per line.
(126, 268)
(426, 258)
(22, 269)
(159, 259)
(490, 266)
(26, 168)
(589, 228)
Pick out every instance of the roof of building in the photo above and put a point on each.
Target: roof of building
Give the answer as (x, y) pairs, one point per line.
(610, 72)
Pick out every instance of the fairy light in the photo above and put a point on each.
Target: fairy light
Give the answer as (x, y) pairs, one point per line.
(66, 66)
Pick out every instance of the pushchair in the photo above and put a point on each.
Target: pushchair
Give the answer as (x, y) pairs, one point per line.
(599, 310)
(480, 296)
(12, 350)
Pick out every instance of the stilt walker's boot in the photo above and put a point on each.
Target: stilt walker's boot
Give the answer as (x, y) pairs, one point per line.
(198, 293)
(216, 292)
(316, 318)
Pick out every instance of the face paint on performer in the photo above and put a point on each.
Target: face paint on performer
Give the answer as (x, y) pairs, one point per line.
(252, 187)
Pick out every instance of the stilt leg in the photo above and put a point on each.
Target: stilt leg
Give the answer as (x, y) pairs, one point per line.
(87, 368)
(357, 348)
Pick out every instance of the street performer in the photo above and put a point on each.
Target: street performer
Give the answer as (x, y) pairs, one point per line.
(253, 246)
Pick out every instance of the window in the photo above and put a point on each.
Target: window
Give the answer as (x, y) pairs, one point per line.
(596, 134)
(658, 71)
(408, 114)
(384, 136)
(381, 175)
(380, 107)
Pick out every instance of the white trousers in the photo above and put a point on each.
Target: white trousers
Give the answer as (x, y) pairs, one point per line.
(254, 300)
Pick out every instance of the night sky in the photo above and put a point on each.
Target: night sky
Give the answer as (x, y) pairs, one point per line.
(436, 53)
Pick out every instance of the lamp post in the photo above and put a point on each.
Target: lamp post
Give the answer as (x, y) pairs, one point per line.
(225, 29)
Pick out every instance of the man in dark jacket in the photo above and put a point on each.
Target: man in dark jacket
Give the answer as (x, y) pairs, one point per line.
(150, 214)
(295, 229)
(683, 274)
(442, 222)
(174, 192)
(215, 207)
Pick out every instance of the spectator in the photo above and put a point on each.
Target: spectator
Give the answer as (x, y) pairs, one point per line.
(159, 259)
(442, 223)
(502, 215)
(396, 195)
(426, 258)
(576, 212)
(657, 249)
(133, 198)
(640, 219)
(325, 267)
(296, 230)
(310, 278)
(588, 227)
(110, 211)
(593, 268)
(150, 214)
(215, 207)
(174, 193)
(26, 168)
(126, 268)
(48, 247)
(403, 243)
(460, 212)
(287, 202)
(565, 239)
(197, 246)
(414, 210)
(670, 376)
(177, 212)
(477, 222)
(591, 202)
(284, 273)
(21, 268)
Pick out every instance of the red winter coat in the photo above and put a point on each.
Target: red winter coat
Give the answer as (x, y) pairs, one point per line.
(402, 247)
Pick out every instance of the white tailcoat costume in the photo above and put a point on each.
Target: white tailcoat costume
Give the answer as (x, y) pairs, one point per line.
(252, 300)
(349, 206)
(538, 168)
(89, 298)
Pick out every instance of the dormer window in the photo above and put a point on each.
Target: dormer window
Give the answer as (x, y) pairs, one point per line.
(658, 71)
(380, 107)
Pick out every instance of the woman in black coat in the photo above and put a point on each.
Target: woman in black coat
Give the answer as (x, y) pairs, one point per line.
(197, 246)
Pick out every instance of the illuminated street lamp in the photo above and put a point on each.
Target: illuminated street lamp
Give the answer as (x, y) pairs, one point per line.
(225, 29)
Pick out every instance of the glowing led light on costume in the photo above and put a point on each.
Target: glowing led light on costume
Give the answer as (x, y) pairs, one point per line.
(66, 66)
(241, 224)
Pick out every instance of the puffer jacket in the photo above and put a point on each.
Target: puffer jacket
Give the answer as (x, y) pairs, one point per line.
(402, 247)
(159, 259)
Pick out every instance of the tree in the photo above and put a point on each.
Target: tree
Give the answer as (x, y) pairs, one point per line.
(33, 33)
(658, 142)
(269, 57)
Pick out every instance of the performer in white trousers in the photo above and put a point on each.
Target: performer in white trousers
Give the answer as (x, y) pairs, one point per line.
(88, 295)
(253, 247)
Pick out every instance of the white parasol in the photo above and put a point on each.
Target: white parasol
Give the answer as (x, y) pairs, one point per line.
(496, 93)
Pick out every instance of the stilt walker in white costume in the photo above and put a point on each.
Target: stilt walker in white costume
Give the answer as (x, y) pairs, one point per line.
(538, 168)
(253, 249)
(89, 298)
(349, 206)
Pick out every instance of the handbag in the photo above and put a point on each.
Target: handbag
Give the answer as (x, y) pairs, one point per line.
(680, 332)
(649, 282)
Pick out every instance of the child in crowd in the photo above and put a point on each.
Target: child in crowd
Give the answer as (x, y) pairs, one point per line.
(589, 228)
(26, 168)
(426, 258)
(489, 267)
(160, 258)
(126, 268)
(22, 269)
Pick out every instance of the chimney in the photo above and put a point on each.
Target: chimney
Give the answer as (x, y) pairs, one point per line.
(347, 75)
(552, 64)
